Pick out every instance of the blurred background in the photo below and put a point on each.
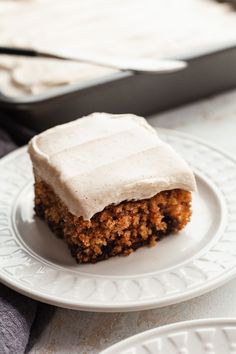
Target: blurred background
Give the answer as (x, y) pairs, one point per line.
(40, 92)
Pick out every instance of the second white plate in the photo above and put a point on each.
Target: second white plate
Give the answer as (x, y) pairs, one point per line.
(210, 336)
(34, 262)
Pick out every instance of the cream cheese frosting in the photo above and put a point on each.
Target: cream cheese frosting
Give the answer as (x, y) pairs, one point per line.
(105, 159)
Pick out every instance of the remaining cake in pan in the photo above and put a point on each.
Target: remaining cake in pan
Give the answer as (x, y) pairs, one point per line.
(107, 184)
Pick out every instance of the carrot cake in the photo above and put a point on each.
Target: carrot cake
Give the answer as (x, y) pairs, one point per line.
(108, 185)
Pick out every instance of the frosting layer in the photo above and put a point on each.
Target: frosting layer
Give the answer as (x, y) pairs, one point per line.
(104, 159)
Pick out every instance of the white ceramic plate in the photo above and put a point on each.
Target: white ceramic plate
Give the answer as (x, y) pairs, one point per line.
(214, 336)
(199, 259)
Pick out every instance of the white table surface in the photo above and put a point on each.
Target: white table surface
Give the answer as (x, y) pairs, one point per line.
(72, 332)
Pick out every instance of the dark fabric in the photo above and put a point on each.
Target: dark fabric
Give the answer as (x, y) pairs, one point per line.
(17, 313)
(43, 316)
(6, 144)
(21, 318)
(20, 134)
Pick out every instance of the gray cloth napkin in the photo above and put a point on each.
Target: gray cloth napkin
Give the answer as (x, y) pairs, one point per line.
(17, 313)
(6, 144)
(21, 319)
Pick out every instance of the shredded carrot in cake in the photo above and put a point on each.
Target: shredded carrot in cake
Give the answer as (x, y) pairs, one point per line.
(118, 229)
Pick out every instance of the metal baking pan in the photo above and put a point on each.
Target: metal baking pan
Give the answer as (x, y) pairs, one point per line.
(207, 73)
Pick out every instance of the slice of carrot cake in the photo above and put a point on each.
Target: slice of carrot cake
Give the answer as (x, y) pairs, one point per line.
(108, 185)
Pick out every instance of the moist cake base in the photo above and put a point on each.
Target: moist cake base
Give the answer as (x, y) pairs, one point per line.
(118, 229)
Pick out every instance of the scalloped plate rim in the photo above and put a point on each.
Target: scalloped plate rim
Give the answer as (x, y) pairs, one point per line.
(133, 305)
(157, 331)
